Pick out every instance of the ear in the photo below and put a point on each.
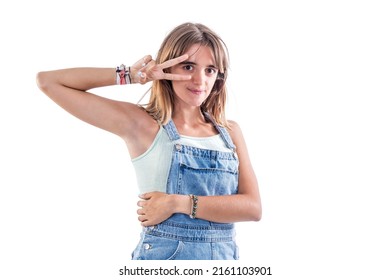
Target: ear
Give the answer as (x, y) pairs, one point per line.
(220, 76)
(219, 83)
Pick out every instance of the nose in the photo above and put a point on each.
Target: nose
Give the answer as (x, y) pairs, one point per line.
(198, 77)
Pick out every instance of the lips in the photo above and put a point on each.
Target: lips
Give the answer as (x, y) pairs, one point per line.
(196, 91)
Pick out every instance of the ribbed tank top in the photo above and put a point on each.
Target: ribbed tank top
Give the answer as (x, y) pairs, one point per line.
(152, 167)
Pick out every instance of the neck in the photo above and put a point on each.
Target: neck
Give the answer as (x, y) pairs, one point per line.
(189, 116)
(193, 123)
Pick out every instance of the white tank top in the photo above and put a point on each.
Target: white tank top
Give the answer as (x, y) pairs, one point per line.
(152, 167)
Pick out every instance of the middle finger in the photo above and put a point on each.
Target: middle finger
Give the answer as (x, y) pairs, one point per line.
(141, 203)
(173, 61)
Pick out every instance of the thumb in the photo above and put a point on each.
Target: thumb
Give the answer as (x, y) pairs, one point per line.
(145, 195)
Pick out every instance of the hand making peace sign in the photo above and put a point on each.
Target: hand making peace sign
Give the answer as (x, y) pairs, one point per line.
(147, 70)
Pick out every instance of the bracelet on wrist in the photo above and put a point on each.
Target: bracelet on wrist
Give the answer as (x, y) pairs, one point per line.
(194, 206)
(123, 75)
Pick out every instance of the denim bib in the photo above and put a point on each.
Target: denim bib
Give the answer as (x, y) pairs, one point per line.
(204, 173)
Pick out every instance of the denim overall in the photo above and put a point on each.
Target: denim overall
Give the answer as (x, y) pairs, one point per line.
(204, 173)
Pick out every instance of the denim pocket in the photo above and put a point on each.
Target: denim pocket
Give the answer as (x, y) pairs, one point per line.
(159, 248)
(202, 181)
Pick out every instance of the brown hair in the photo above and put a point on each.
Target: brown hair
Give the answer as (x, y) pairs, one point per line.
(161, 101)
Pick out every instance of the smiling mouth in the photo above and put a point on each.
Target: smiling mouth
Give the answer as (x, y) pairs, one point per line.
(196, 91)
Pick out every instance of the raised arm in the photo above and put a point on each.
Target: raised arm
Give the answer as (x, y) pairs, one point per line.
(69, 89)
(244, 206)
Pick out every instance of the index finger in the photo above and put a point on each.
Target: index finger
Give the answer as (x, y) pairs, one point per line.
(176, 77)
(173, 61)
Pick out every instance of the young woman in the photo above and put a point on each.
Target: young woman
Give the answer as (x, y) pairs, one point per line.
(192, 165)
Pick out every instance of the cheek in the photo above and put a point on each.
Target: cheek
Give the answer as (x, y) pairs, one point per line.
(211, 84)
(177, 83)
(178, 86)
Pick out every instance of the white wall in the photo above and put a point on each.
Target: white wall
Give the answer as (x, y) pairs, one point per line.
(309, 85)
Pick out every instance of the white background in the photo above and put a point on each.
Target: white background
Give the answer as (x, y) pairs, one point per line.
(309, 85)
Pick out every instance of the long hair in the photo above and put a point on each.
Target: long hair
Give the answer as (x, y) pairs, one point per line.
(161, 102)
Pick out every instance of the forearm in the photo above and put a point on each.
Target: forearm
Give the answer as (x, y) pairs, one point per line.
(81, 79)
(222, 209)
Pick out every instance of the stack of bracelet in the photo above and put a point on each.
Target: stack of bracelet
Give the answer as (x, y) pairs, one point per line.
(123, 75)
(194, 205)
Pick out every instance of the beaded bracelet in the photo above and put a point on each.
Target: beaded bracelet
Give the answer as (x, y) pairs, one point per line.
(194, 205)
(123, 75)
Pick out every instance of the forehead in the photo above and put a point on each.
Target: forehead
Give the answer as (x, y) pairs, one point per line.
(200, 53)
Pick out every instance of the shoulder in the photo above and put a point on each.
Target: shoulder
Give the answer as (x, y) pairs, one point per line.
(238, 140)
(233, 127)
(235, 132)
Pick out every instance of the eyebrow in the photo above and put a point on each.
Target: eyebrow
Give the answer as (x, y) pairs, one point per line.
(193, 63)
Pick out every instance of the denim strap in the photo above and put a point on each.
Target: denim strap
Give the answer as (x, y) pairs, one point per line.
(171, 129)
(173, 134)
(223, 132)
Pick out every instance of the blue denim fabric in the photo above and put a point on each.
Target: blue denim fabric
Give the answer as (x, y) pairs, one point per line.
(201, 172)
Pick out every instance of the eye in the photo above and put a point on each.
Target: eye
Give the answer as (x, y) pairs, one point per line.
(188, 67)
(211, 71)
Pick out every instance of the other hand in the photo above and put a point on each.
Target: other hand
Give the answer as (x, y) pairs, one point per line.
(155, 207)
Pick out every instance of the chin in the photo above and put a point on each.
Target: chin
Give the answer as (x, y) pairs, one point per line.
(197, 102)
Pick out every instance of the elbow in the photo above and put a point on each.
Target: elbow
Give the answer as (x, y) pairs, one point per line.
(257, 216)
(256, 212)
(43, 81)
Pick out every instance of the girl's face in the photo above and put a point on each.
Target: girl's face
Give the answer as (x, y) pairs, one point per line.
(200, 65)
